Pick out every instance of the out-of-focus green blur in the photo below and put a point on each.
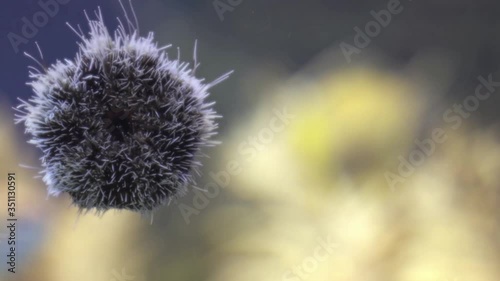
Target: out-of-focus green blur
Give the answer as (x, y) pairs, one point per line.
(361, 171)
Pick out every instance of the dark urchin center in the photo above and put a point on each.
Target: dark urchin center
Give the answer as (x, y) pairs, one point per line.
(119, 122)
(127, 134)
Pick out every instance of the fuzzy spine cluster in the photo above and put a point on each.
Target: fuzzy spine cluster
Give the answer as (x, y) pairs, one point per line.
(121, 125)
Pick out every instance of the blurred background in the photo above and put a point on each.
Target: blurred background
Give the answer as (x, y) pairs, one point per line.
(360, 141)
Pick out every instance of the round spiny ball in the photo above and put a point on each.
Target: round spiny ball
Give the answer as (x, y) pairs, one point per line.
(121, 125)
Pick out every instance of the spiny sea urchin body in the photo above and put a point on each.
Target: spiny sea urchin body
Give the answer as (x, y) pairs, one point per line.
(121, 125)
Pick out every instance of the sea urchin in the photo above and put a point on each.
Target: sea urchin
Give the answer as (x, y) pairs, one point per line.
(121, 125)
